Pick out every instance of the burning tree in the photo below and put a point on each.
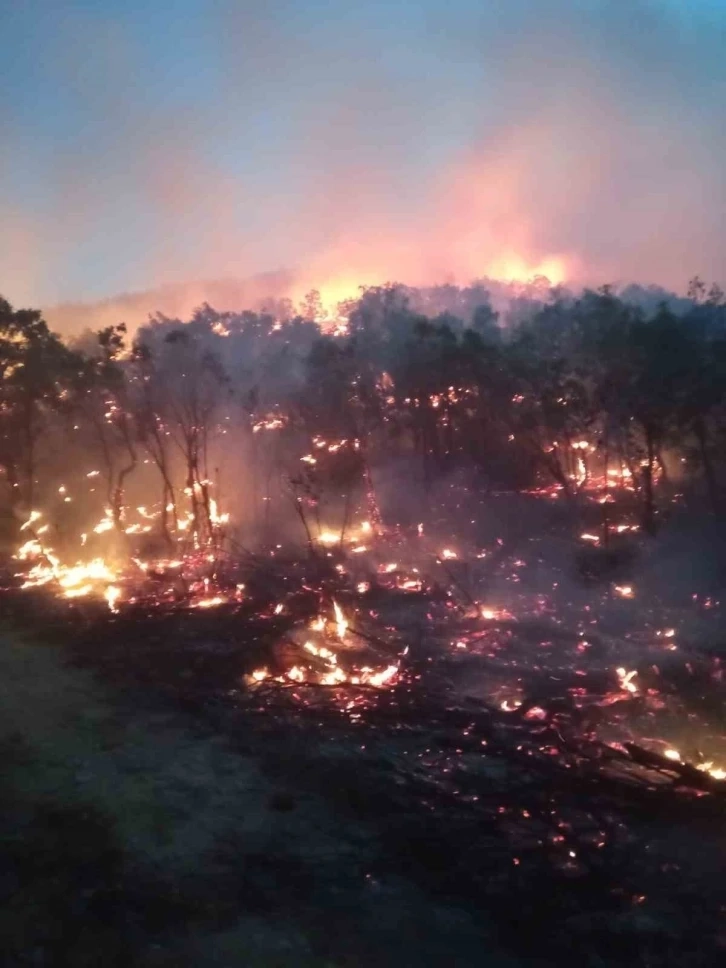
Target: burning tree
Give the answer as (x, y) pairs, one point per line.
(590, 397)
(425, 367)
(105, 402)
(338, 410)
(553, 413)
(637, 367)
(182, 388)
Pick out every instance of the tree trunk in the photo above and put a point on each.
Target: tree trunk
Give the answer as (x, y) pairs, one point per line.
(29, 495)
(301, 514)
(649, 525)
(346, 514)
(708, 468)
(166, 499)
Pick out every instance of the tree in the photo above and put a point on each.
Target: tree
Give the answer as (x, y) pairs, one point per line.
(552, 405)
(106, 404)
(638, 367)
(311, 308)
(339, 409)
(37, 377)
(183, 387)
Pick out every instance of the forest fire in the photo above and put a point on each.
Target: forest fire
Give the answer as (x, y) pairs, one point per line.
(330, 649)
(362, 518)
(428, 541)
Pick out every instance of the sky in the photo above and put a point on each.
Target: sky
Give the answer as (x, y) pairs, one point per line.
(150, 145)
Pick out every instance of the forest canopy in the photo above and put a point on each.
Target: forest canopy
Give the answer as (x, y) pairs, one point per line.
(542, 394)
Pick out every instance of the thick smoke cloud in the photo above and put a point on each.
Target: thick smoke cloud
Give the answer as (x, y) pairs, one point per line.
(356, 143)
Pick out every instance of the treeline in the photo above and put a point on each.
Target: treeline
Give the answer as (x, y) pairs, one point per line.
(568, 388)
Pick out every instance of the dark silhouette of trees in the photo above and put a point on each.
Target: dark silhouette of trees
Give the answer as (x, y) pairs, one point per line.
(560, 392)
(105, 402)
(184, 386)
(38, 377)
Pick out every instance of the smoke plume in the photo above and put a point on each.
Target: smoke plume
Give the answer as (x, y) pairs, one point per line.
(581, 139)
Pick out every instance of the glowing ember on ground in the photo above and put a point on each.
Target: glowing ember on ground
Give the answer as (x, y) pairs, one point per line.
(626, 680)
(379, 678)
(715, 773)
(209, 602)
(509, 707)
(341, 622)
(112, 596)
(493, 614)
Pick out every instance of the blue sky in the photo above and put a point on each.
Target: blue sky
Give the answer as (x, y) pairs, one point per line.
(147, 143)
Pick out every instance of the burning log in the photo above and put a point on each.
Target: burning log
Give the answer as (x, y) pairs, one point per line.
(682, 773)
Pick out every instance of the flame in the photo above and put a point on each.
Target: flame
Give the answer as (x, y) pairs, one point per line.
(334, 677)
(34, 515)
(715, 772)
(383, 677)
(214, 516)
(106, 523)
(82, 579)
(31, 549)
(112, 595)
(515, 268)
(269, 423)
(494, 613)
(341, 621)
(210, 602)
(626, 678)
(328, 538)
(508, 707)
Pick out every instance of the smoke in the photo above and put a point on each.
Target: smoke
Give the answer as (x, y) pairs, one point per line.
(145, 155)
(176, 301)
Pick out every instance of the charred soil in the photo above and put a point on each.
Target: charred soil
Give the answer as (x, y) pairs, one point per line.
(168, 812)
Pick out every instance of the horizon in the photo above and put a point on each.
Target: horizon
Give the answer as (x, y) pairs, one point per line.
(144, 151)
(260, 293)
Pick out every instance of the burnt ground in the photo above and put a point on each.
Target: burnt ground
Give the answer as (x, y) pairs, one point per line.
(159, 811)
